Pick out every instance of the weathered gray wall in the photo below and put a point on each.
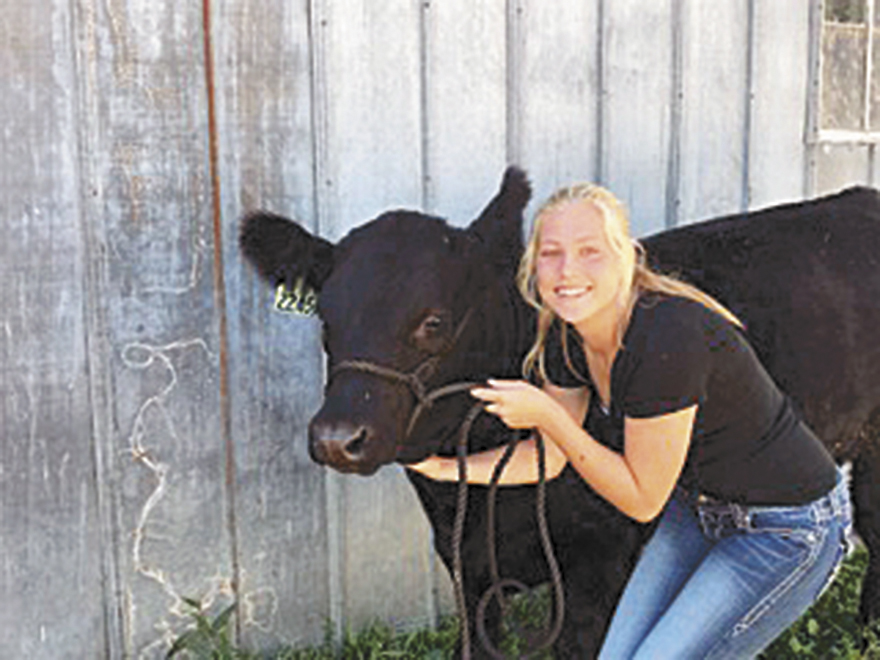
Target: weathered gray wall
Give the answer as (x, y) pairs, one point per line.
(153, 416)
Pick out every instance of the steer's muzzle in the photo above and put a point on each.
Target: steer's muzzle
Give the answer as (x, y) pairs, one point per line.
(342, 446)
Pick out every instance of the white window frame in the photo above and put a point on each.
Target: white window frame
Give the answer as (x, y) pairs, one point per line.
(825, 136)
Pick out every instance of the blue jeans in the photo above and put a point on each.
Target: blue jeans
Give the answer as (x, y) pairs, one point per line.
(724, 580)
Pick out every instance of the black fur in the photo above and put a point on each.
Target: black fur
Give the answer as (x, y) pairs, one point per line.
(282, 251)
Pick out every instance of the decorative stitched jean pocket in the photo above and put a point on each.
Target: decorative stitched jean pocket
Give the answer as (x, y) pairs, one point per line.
(787, 530)
(784, 544)
(784, 556)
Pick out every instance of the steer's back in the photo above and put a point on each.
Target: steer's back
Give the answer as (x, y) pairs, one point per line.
(805, 280)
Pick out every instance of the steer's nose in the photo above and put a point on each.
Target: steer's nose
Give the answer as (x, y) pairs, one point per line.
(339, 445)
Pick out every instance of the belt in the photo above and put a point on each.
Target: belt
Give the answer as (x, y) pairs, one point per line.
(834, 503)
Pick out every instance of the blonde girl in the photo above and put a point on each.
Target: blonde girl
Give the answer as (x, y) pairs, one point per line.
(666, 412)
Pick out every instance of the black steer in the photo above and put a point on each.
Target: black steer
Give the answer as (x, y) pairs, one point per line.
(429, 305)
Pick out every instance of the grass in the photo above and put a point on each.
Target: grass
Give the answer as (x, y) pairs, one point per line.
(210, 640)
(828, 631)
(830, 628)
(379, 642)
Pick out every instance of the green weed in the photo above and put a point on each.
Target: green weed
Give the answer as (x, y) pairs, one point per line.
(209, 639)
(379, 641)
(830, 629)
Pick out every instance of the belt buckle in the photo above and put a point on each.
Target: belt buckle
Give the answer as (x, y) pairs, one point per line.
(722, 517)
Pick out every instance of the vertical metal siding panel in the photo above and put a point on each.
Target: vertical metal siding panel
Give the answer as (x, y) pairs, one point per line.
(388, 562)
(560, 94)
(262, 52)
(373, 162)
(636, 112)
(465, 105)
(332, 492)
(814, 75)
(715, 92)
(106, 456)
(514, 54)
(152, 217)
(781, 86)
(49, 539)
(464, 96)
(373, 111)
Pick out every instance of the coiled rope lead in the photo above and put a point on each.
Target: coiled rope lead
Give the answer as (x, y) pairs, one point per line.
(499, 584)
(458, 528)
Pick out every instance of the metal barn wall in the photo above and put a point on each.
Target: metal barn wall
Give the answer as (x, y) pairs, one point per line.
(153, 415)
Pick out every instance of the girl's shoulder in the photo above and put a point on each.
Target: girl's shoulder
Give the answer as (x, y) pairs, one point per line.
(660, 320)
(655, 302)
(657, 310)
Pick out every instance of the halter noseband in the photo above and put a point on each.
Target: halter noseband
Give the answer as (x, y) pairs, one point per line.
(416, 379)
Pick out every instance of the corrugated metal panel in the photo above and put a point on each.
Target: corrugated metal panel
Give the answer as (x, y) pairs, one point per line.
(715, 93)
(155, 410)
(638, 74)
(50, 542)
(264, 100)
(781, 85)
(465, 101)
(157, 334)
(561, 73)
(370, 80)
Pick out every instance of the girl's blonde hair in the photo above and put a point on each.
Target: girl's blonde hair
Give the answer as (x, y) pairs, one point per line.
(636, 275)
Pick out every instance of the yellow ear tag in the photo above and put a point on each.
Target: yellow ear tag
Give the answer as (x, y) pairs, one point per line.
(302, 300)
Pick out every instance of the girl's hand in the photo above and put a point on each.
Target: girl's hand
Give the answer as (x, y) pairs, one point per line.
(519, 404)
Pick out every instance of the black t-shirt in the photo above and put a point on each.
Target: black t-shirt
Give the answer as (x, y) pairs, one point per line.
(747, 446)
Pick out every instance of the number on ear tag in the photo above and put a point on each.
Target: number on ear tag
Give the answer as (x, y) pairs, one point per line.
(302, 300)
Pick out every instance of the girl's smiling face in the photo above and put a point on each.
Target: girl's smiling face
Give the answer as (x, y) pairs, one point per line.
(579, 275)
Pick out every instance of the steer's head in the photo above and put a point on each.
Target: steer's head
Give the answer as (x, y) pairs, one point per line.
(406, 301)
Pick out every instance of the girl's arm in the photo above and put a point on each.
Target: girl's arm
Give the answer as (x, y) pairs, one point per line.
(639, 481)
(521, 469)
(523, 465)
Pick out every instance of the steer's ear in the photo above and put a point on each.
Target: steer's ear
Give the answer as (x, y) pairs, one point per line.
(284, 252)
(500, 224)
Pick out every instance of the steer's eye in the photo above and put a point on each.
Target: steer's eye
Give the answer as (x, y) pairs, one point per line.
(432, 333)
